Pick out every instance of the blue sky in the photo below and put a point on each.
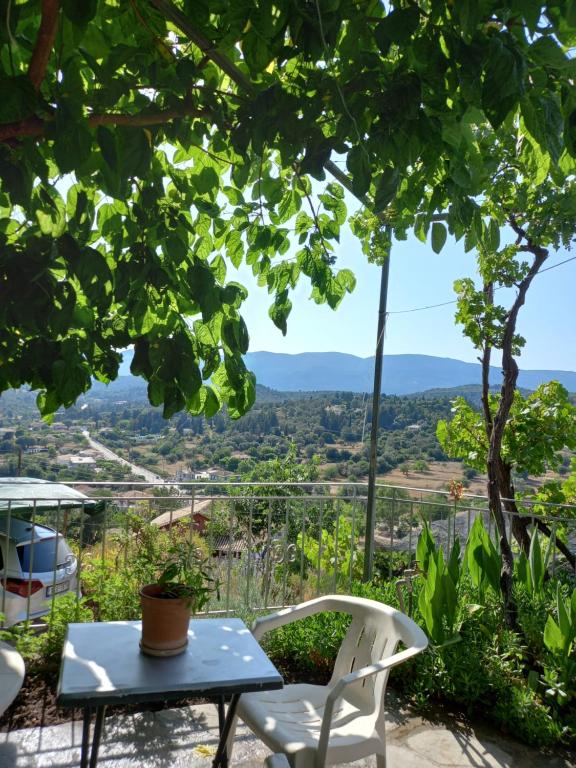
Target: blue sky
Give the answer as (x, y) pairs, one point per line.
(418, 277)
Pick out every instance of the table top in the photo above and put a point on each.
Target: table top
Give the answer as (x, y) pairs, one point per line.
(102, 664)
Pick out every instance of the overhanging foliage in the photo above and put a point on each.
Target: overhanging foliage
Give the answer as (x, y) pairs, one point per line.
(147, 145)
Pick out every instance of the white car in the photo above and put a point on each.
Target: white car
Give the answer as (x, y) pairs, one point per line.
(36, 564)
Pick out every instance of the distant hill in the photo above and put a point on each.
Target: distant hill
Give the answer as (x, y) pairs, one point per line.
(402, 374)
(134, 389)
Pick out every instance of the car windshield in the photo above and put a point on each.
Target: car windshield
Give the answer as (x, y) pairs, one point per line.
(42, 555)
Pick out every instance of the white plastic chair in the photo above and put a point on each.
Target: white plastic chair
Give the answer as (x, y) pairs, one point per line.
(316, 725)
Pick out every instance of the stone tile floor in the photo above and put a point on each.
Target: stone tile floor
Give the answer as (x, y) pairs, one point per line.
(187, 737)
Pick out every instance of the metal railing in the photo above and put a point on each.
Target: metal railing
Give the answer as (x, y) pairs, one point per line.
(265, 544)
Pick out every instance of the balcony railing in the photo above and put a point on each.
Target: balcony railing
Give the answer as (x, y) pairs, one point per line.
(266, 545)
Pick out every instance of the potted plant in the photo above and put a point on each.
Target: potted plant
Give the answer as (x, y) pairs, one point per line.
(182, 587)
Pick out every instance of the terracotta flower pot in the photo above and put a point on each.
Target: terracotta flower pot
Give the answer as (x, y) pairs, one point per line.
(164, 622)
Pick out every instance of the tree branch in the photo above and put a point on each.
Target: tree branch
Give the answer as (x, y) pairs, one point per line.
(34, 126)
(182, 22)
(144, 119)
(485, 361)
(547, 531)
(44, 42)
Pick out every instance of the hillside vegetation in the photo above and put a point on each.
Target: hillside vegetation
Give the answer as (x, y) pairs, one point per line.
(330, 430)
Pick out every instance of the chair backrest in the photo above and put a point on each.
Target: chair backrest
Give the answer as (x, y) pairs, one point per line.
(374, 633)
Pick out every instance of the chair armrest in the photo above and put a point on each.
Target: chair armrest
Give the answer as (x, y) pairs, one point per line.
(287, 615)
(371, 669)
(353, 677)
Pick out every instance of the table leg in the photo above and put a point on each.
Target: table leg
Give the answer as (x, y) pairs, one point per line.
(85, 737)
(221, 713)
(221, 757)
(221, 724)
(96, 737)
(89, 755)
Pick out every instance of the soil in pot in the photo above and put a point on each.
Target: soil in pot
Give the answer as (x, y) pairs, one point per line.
(164, 622)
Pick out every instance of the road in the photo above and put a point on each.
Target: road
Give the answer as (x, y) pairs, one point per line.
(150, 477)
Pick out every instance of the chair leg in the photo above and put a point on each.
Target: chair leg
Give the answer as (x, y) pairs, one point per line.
(381, 760)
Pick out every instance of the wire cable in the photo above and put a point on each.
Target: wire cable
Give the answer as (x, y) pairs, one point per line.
(454, 301)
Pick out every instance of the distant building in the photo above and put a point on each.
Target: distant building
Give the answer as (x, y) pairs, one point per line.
(131, 498)
(82, 461)
(182, 476)
(207, 474)
(228, 546)
(76, 461)
(168, 519)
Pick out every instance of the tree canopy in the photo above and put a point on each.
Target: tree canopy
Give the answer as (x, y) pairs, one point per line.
(146, 145)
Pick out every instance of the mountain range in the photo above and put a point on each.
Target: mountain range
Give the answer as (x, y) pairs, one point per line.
(402, 374)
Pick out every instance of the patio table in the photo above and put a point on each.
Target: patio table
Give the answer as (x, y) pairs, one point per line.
(102, 664)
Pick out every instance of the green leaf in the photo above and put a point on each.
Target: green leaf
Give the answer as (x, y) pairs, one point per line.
(544, 121)
(173, 401)
(207, 181)
(386, 187)
(425, 548)
(553, 638)
(358, 163)
(256, 52)
(397, 27)
(134, 151)
(439, 235)
(454, 562)
(19, 99)
(492, 239)
(564, 622)
(536, 563)
(547, 52)
(211, 403)
(503, 84)
(189, 378)
(72, 146)
(280, 310)
(107, 143)
(481, 557)
(290, 204)
(80, 13)
(235, 248)
(345, 278)
(469, 13)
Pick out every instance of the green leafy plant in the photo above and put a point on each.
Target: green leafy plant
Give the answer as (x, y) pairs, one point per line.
(482, 559)
(334, 553)
(184, 574)
(559, 639)
(438, 598)
(531, 571)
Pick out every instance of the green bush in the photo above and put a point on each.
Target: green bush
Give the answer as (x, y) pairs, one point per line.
(42, 652)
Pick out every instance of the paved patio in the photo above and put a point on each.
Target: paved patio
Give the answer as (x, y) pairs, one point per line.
(187, 737)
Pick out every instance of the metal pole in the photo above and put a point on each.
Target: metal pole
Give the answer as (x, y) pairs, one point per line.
(371, 507)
